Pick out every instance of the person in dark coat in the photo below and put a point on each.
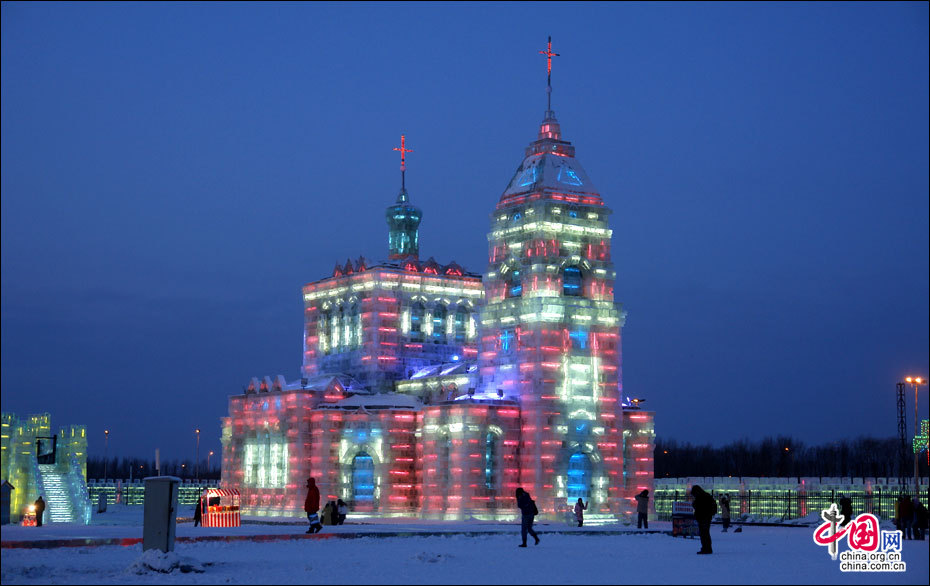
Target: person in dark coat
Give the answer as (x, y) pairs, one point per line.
(198, 511)
(920, 519)
(725, 512)
(642, 510)
(342, 510)
(40, 509)
(845, 509)
(906, 515)
(312, 506)
(528, 510)
(705, 507)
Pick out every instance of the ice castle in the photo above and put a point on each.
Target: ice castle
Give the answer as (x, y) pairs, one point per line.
(430, 391)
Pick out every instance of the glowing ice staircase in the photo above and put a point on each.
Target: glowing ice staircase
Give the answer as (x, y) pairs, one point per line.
(58, 499)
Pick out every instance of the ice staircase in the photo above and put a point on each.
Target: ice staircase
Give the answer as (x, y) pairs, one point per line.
(58, 496)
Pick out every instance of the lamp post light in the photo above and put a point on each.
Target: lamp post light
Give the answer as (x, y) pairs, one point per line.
(106, 451)
(917, 381)
(210, 453)
(197, 462)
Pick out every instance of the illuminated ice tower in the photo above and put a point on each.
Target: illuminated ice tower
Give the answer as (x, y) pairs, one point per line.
(550, 330)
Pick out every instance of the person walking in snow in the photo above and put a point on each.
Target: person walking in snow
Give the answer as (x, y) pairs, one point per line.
(725, 512)
(342, 511)
(705, 507)
(312, 506)
(528, 511)
(198, 511)
(642, 510)
(580, 508)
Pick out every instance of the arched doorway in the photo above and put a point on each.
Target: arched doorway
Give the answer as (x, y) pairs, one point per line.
(363, 479)
(578, 485)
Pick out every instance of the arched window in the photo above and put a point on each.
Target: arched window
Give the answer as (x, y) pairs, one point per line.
(322, 330)
(572, 281)
(417, 314)
(579, 477)
(357, 325)
(335, 338)
(363, 478)
(461, 324)
(350, 331)
(444, 463)
(515, 284)
(490, 460)
(439, 322)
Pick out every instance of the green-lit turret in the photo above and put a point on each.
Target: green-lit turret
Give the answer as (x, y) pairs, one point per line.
(403, 218)
(403, 223)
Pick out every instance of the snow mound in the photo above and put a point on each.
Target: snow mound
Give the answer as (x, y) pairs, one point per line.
(157, 561)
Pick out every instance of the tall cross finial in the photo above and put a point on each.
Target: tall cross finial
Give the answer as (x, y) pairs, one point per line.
(549, 55)
(403, 159)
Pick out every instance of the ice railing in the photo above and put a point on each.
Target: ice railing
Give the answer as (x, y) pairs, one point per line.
(80, 498)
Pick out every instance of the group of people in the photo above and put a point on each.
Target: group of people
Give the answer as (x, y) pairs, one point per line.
(334, 513)
(910, 517)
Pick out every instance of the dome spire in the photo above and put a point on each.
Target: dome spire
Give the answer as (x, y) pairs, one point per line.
(549, 55)
(402, 196)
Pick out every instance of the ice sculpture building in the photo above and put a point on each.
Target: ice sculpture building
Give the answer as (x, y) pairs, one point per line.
(431, 391)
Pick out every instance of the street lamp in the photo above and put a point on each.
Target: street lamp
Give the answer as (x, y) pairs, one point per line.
(106, 450)
(917, 382)
(208, 461)
(197, 463)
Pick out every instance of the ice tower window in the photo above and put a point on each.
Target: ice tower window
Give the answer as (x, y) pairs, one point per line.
(507, 338)
(515, 285)
(579, 338)
(528, 177)
(490, 457)
(439, 320)
(461, 324)
(417, 313)
(572, 282)
(569, 177)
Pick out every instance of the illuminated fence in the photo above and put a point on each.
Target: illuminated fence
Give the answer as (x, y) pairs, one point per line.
(133, 493)
(786, 498)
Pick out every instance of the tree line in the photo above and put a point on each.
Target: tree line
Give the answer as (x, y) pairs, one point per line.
(124, 468)
(772, 456)
(784, 456)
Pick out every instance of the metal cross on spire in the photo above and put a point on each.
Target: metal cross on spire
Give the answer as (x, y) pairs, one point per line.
(549, 55)
(403, 159)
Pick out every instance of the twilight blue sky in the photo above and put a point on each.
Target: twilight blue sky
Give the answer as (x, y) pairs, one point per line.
(173, 173)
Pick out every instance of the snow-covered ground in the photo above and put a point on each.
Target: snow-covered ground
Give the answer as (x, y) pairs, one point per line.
(757, 555)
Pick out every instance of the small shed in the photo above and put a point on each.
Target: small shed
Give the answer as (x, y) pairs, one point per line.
(220, 507)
